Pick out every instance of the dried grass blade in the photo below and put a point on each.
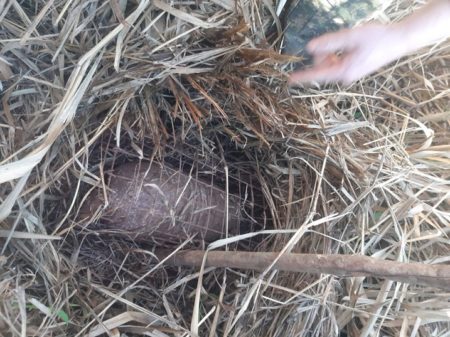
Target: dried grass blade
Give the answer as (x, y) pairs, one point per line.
(184, 16)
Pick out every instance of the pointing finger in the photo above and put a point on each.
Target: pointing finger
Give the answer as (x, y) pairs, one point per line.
(331, 69)
(344, 39)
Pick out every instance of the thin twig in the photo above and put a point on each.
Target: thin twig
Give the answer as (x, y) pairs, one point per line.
(339, 265)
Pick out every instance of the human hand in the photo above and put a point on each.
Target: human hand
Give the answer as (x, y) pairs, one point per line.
(349, 54)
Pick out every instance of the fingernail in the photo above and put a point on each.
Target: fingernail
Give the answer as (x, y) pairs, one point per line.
(311, 46)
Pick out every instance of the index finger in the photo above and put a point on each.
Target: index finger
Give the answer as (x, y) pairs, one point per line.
(330, 70)
(343, 39)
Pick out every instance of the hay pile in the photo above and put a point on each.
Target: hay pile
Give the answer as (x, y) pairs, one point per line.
(359, 170)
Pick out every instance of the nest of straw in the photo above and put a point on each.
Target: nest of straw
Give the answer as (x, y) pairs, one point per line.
(360, 170)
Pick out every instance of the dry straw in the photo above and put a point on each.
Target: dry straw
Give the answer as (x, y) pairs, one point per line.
(361, 171)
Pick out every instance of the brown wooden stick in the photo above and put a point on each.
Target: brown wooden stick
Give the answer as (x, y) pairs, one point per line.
(341, 265)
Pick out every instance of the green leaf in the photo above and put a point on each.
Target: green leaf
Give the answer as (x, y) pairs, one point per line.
(63, 316)
(377, 215)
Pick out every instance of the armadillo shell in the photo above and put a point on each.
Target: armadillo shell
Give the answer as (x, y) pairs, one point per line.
(162, 204)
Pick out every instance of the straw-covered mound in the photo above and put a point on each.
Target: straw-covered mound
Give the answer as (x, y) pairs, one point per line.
(200, 86)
